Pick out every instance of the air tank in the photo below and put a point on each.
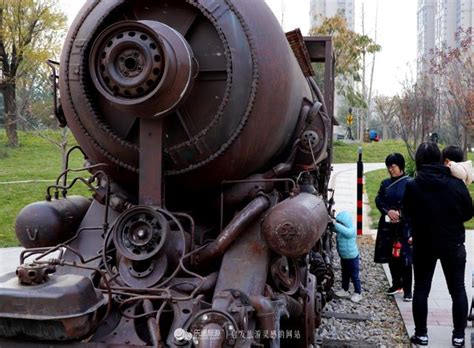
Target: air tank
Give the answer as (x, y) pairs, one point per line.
(48, 223)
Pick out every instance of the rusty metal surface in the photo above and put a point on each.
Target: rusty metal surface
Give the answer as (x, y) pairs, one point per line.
(225, 105)
(46, 223)
(34, 274)
(301, 52)
(251, 254)
(61, 308)
(208, 145)
(150, 177)
(239, 224)
(293, 226)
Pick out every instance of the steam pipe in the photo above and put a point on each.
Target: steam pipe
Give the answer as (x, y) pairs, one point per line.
(151, 322)
(265, 312)
(189, 284)
(238, 225)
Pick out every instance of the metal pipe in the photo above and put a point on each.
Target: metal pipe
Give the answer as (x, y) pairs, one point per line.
(265, 312)
(238, 225)
(189, 284)
(151, 322)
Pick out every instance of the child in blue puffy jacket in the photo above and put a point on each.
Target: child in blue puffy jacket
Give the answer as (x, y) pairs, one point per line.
(347, 249)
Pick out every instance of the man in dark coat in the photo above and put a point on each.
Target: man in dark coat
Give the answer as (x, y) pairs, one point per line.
(437, 204)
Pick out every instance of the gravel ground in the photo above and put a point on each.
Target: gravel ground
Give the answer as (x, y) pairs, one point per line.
(386, 327)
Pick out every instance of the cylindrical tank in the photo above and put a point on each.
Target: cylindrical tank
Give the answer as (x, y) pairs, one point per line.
(48, 223)
(235, 114)
(293, 226)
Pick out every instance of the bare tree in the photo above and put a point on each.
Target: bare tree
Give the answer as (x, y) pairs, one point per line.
(417, 110)
(387, 108)
(367, 87)
(454, 69)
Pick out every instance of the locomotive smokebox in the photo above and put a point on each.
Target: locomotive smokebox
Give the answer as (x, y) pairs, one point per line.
(222, 72)
(293, 226)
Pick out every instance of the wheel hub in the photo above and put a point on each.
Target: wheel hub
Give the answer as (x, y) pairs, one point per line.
(130, 62)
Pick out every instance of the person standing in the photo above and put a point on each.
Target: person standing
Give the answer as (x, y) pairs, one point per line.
(437, 204)
(347, 248)
(393, 243)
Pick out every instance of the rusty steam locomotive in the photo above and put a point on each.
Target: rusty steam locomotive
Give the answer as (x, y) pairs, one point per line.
(208, 151)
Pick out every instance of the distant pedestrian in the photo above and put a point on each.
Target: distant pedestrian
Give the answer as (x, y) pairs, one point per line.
(373, 136)
(393, 243)
(434, 137)
(452, 156)
(438, 205)
(349, 253)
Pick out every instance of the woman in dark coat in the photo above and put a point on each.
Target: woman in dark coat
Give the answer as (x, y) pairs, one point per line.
(437, 204)
(393, 244)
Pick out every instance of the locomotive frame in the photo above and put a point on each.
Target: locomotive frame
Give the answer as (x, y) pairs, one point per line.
(176, 248)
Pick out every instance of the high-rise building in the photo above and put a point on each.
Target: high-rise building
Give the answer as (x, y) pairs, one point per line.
(438, 22)
(320, 9)
(426, 32)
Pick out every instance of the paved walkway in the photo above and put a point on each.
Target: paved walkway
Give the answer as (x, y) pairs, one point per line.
(439, 303)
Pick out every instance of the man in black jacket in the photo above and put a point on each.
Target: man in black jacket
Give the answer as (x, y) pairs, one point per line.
(437, 205)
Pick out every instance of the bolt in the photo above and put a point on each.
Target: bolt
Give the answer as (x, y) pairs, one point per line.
(205, 317)
(179, 334)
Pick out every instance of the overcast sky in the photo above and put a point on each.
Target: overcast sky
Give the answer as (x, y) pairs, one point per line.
(396, 33)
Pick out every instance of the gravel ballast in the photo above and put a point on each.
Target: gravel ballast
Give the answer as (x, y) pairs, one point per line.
(385, 328)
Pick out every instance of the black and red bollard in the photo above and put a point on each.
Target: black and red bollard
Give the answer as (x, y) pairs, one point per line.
(360, 188)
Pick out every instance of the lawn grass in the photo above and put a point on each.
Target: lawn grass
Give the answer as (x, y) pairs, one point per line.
(35, 159)
(371, 152)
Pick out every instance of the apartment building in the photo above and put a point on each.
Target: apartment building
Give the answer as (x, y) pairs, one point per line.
(320, 9)
(438, 21)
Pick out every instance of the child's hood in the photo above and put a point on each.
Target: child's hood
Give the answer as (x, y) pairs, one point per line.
(344, 218)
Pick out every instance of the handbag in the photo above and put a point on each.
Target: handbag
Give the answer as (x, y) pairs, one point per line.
(383, 243)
